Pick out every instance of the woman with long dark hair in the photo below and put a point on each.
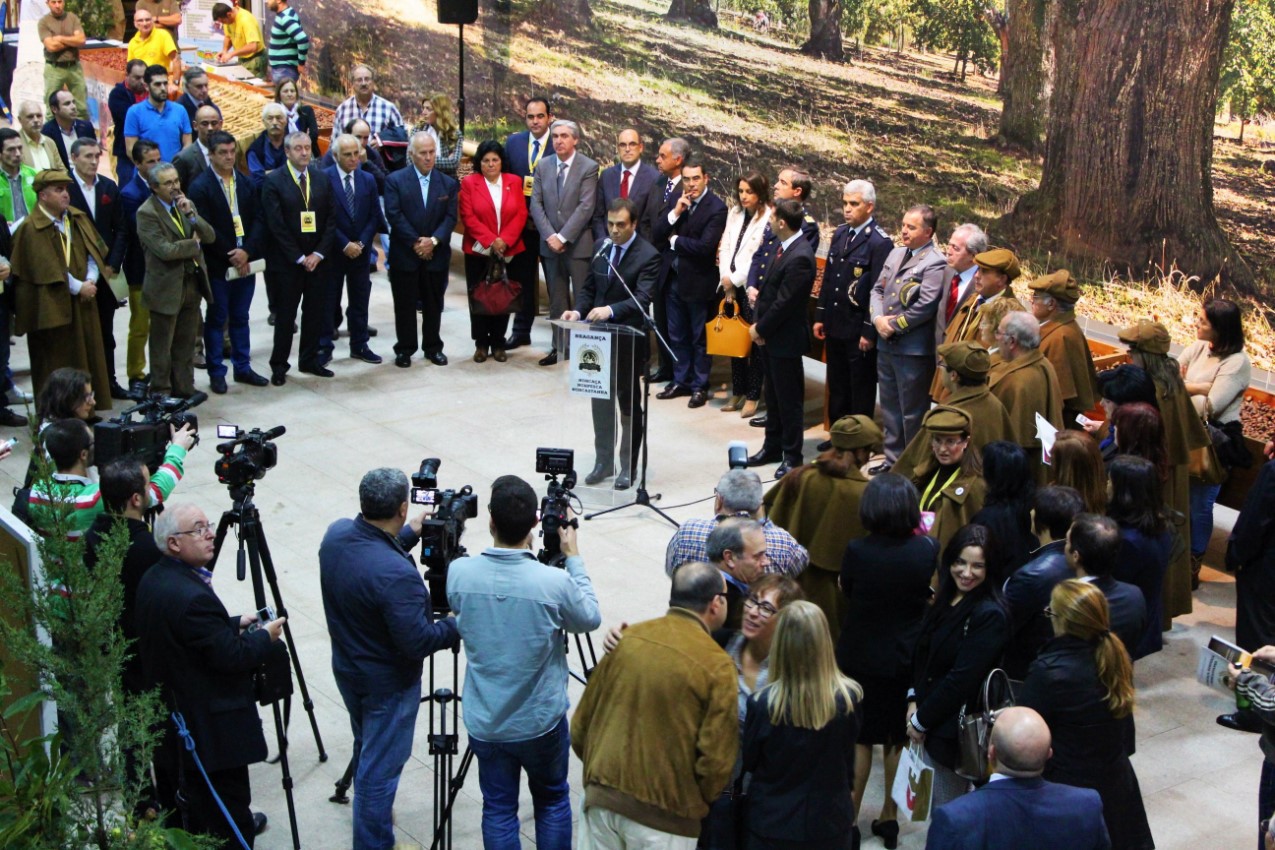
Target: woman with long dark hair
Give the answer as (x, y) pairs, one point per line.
(1082, 684)
(1007, 507)
(745, 226)
(1076, 462)
(1140, 431)
(962, 639)
(1137, 506)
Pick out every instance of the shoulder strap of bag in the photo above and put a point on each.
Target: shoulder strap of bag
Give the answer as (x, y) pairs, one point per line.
(189, 743)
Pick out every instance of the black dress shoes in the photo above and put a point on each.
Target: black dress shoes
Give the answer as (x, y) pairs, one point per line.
(118, 392)
(785, 468)
(661, 376)
(1240, 721)
(402, 361)
(367, 356)
(673, 391)
(699, 398)
(217, 383)
(516, 342)
(888, 830)
(764, 457)
(318, 371)
(758, 421)
(824, 446)
(549, 359)
(251, 378)
(438, 358)
(278, 379)
(600, 473)
(137, 389)
(259, 821)
(624, 480)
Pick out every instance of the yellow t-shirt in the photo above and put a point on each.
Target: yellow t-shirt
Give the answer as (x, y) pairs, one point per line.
(245, 30)
(156, 50)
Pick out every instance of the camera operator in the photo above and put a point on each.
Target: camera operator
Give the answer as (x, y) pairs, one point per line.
(379, 618)
(512, 611)
(69, 443)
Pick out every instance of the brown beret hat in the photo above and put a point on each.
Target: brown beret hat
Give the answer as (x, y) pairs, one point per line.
(969, 359)
(855, 432)
(1060, 285)
(1146, 335)
(1000, 260)
(947, 420)
(50, 177)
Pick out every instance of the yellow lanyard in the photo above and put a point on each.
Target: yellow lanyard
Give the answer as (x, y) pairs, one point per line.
(65, 238)
(233, 199)
(928, 501)
(305, 191)
(531, 141)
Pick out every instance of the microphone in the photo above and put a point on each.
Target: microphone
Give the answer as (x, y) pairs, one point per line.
(606, 243)
(197, 399)
(277, 431)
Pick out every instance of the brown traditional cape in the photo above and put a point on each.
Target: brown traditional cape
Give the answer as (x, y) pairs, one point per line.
(1026, 386)
(989, 422)
(1065, 346)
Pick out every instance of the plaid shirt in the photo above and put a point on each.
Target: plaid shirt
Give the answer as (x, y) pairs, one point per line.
(690, 543)
(380, 113)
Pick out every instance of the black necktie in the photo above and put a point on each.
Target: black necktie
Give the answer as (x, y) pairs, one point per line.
(616, 253)
(535, 150)
(668, 190)
(349, 193)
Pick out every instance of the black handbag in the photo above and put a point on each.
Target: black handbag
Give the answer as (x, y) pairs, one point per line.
(1228, 442)
(272, 681)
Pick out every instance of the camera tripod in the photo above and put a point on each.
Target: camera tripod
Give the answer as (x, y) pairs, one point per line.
(255, 553)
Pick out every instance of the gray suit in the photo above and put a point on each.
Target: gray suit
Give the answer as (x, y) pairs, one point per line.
(908, 291)
(567, 212)
(190, 163)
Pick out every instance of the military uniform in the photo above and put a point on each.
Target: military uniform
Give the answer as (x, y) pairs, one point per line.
(908, 293)
(1062, 341)
(854, 262)
(1027, 385)
(951, 494)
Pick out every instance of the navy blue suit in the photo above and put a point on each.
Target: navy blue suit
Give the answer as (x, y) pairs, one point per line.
(780, 315)
(523, 266)
(132, 195)
(639, 193)
(231, 300)
(1011, 814)
(109, 221)
(358, 225)
(82, 130)
(691, 283)
(118, 102)
(411, 278)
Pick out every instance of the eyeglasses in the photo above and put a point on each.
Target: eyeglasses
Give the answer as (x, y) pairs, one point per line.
(89, 396)
(764, 609)
(1049, 612)
(200, 530)
(946, 442)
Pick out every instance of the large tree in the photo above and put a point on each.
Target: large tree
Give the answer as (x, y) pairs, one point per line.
(1248, 66)
(1023, 75)
(825, 31)
(1127, 176)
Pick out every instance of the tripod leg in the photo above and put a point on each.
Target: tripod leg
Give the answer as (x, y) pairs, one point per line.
(444, 824)
(227, 519)
(287, 776)
(347, 779)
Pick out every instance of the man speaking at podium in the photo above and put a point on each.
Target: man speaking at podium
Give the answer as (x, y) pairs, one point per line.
(624, 259)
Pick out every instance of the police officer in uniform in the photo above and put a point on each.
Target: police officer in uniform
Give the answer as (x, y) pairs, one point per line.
(905, 303)
(855, 258)
(791, 184)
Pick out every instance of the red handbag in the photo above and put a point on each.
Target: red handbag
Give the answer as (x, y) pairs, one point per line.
(495, 293)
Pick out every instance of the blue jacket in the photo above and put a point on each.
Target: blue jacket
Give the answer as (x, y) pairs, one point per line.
(512, 611)
(209, 198)
(368, 219)
(1013, 814)
(132, 195)
(410, 218)
(377, 607)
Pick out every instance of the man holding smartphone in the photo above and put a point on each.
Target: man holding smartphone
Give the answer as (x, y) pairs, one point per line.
(382, 628)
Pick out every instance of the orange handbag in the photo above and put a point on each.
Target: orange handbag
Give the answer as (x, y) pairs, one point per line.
(728, 335)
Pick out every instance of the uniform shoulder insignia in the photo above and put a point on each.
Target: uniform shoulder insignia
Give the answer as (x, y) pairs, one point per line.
(810, 218)
(881, 231)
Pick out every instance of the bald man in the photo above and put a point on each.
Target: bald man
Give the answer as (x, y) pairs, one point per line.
(1018, 808)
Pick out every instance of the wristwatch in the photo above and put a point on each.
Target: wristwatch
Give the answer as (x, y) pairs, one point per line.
(434, 241)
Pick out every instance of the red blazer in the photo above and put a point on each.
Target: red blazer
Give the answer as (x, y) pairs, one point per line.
(479, 216)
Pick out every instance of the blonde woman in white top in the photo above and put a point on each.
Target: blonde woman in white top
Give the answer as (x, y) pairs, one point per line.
(1216, 371)
(745, 225)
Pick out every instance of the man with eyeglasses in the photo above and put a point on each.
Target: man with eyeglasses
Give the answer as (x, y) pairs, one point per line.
(69, 443)
(669, 692)
(1026, 384)
(1063, 343)
(737, 547)
(202, 660)
(629, 178)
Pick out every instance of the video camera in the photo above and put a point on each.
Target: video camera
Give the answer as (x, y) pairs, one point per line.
(555, 507)
(441, 531)
(147, 437)
(256, 454)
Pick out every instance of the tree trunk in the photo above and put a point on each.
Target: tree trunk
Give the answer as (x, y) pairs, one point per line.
(568, 14)
(825, 31)
(1243, 124)
(1127, 175)
(1023, 75)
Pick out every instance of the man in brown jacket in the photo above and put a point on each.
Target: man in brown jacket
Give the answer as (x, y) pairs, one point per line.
(1026, 384)
(997, 269)
(1054, 298)
(658, 725)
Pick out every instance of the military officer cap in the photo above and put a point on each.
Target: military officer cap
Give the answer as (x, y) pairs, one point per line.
(999, 260)
(855, 432)
(947, 420)
(1060, 285)
(969, 359)
(1146, 335)
(50, 177)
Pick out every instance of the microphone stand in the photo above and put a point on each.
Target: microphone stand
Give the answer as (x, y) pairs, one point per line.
(642, 497)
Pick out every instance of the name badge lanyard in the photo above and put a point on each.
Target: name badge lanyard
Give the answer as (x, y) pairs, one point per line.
(927, 501)
(232, 200)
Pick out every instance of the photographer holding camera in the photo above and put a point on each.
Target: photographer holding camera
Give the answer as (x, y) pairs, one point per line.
(512, 611)
(382, 628)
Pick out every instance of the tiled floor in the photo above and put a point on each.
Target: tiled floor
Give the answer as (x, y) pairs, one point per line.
(486, 420)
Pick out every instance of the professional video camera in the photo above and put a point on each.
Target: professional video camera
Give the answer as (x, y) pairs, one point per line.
(145, 438)
(256, 454)
(556, 506)
(441, 530)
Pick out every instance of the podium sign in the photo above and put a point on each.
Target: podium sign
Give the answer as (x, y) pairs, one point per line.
(589, 352)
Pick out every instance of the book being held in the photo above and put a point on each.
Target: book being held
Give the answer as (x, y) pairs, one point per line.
(1217, 654)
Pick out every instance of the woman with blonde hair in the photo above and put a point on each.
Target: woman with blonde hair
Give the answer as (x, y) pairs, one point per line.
(1076, 461)
(1082, 684)
(438, 119)
(799, 738)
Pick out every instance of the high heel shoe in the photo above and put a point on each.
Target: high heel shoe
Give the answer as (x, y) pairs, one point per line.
(749, 410)
(735, 402)
(888, 830)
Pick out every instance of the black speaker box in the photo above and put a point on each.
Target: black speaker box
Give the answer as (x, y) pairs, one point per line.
(457, 11)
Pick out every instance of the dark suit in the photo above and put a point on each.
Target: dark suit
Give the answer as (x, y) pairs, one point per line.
(82, 130)
(307, 123)
(691, 284)
(190, 163)
(604, 287)
(108, 218)
(1026, 596)
(231, 300)
(188, 103)
(358, 225)
(662, 199)
(854, 261)
(640, 185)
(118, 102)
(412, 278)
(1128, 609)
(522, 156)
(781, 324)
(373, 165)
(1250, 553)
(1012, 814)
(194, 651)
(132, 195)
(141, 555)
(281, 206)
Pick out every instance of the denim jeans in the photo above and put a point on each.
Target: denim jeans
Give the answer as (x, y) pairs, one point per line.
(383, 726)
(1202, 498)
(231, 300)
(500, 767)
